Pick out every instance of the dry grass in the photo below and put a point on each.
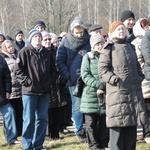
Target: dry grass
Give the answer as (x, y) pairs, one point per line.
(70, 142)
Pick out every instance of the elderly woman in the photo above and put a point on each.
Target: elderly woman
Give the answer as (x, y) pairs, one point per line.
(120, 69)
(10, 54)
(56, 115)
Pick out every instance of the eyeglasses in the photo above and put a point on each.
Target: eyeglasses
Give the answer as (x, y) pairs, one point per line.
(47, 39)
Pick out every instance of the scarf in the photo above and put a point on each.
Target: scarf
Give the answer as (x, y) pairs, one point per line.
(78, 42)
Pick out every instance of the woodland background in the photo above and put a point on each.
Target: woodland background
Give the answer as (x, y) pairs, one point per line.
(58, 14)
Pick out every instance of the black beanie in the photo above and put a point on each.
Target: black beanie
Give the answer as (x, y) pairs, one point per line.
(127, 14)
(18, 32)
(39, 23)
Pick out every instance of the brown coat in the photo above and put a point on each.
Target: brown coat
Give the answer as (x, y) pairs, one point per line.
(119, 68)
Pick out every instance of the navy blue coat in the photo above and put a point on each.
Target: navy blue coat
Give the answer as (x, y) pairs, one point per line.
(65, 53)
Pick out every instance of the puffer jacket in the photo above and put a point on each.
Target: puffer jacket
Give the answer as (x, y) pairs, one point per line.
(122, 73)
(16, 86)
(5, 81)
(35, 70)
(90, 101)
(145, 49)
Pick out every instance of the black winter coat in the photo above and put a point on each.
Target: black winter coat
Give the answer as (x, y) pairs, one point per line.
(5, 81)
(35, 70)
(58, 94)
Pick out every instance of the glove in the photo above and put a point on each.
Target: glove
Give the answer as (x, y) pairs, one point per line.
(100, 92)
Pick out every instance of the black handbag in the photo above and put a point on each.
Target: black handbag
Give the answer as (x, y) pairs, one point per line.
(78, 89)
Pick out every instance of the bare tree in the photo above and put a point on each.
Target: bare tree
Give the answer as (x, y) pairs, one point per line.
(58, 14)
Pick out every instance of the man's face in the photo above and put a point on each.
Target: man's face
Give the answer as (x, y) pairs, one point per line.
(40, 28)
(98, 31)
(36, 40)
(19, 37)
(129, 23)
(78, 31)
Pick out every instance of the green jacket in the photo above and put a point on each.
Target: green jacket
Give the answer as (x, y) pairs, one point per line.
(89, 72)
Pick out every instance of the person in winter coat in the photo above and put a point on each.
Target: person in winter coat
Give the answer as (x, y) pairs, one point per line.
(19, 42)
(93, 97)
(35, 71)
(120, 69)
(57, 103)
(128, 19)
(68, 60)
(144, 47)
(6, 109)
(10, 54)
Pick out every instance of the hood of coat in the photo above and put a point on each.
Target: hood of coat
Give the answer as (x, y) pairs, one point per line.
(137, 29)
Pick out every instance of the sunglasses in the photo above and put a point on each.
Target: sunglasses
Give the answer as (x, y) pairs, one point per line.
(47, 39)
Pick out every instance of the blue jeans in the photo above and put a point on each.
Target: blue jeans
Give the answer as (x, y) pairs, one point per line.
(10, 130)
(35, 109)
(76, 114)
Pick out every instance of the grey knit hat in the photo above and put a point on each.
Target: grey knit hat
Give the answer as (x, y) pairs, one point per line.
(96, 38)
(32, 33)
(44, 33)
(77, 22)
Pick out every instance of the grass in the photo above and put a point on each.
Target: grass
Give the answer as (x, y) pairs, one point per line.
(69, 142)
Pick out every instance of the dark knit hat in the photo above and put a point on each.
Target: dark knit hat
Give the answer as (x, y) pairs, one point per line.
(127, 14)
(77, 22)
(96, 38)
(32, 33)
(114, 25)
(18, 32)
(39, 23)
(95, 27)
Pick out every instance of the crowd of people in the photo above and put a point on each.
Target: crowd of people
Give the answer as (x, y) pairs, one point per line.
(38, 77)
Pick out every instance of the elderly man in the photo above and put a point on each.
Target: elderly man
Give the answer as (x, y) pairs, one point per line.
(68, 60)
(35, 71)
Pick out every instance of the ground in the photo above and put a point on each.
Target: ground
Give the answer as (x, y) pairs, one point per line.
(69, 142)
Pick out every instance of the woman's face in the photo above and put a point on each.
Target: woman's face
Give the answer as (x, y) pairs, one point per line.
(120, 32)
(10, 48)
(55, 42)
(46, 42)
(98, 47)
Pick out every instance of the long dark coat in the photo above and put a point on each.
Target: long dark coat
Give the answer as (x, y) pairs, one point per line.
(121, 71)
